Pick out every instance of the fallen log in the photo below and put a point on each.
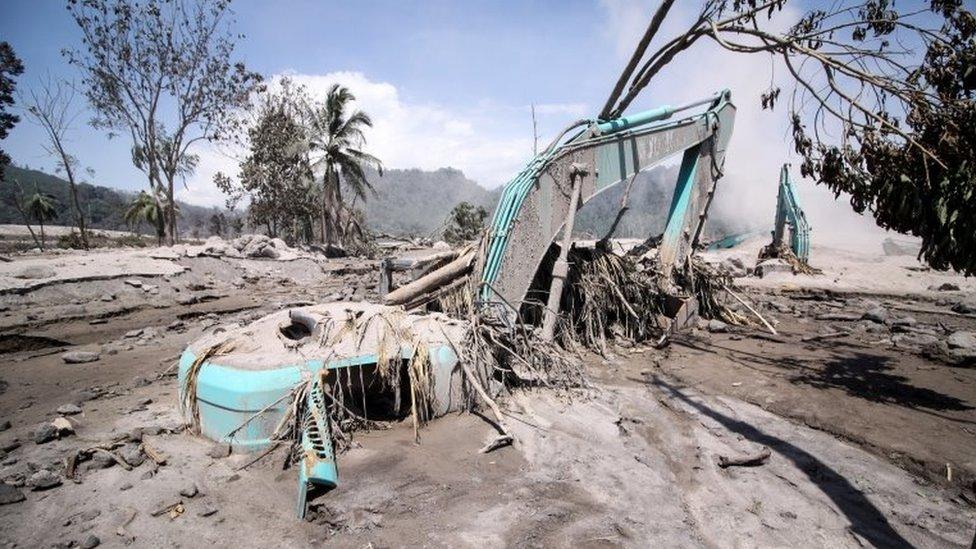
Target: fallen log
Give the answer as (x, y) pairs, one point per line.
(432, 281)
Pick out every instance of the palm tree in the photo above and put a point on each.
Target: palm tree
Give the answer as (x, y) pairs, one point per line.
(143, 208)
(337, 141)
(40, 206)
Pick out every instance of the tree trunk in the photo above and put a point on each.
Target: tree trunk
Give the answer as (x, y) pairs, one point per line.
(332, 207)
(23, 214)
(80, 216)
(173, 236)
(40, 222)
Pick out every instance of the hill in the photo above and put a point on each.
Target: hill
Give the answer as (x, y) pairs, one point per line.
(407, 202)
(104, 206)
(417, 202)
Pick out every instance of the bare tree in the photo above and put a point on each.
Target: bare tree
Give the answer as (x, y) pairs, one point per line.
(161, 70)
(51, 106)
(882, 106)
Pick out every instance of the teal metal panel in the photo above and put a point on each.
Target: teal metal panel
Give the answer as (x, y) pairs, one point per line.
(681, 198)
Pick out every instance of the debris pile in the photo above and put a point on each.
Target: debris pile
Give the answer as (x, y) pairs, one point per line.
(248, 245)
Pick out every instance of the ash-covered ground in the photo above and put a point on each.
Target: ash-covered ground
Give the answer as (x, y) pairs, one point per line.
(866, 400)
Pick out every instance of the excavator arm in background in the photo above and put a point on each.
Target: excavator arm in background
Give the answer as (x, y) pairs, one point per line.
(789, 215)
(534, 205)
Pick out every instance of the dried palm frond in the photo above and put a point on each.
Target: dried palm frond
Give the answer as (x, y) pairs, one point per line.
(609, 296)
(189, 407)
(785, 253)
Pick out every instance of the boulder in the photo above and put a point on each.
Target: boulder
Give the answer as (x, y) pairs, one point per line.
(774, 265)
(256, 245)
(964, 308)
(945, 287)
(961, 346)
(735, 266)
(717, 326)
(45, 433)
(63, 426)
(132, 454)
(215, 246)
(35, 272)
(80, 357)
(69, 409)
(961, 340)
(43, 480)
(876, 314)
(10, 494)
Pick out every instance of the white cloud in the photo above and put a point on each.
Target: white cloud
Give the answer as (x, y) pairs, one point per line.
(568, 110)
(760, 142)
(404, 135)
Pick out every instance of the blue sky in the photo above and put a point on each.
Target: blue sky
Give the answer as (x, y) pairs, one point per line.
(450, 83)
(481, 60)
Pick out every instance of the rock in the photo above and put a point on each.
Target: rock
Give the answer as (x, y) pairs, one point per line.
(90, 542)
(219, 450)
(190, 490)
(961, 340)
(45, 433)
(774, 265)
(717, 326)
(877, 314)
(441, 245)
(945, 287)
(207, 511)
(268, 251)
(286, 255)
(101, 460)
(163, 506)
(133, 333)
(964, 308)
(80, 357)
(175, 325)
(921, 340)
(63, 426)
(10, 494)
(4, 425)
(126, 486)
(904, 321)
(108, 297)
(171, 254)
(133, 282)
(35, 272)
(279, 244)
(43, 480)
(187, 299)
(69, 409)
(735, 266)
(84, 395)
(256, 245)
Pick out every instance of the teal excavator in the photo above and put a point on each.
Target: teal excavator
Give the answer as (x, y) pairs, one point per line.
(791, 222)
